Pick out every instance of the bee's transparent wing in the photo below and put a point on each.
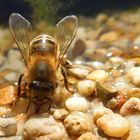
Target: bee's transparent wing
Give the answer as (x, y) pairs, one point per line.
(20, 29)
(66, 30)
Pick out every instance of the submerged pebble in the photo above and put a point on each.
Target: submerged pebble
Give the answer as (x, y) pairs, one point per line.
(86, 88)
(77, 104)
(7, 95)
(113, 125)
(98, 75)
(134, 75)
(131, 107)
(87, 136)
(60, 114)
(8, 127)
(78, 123)
(42, 127)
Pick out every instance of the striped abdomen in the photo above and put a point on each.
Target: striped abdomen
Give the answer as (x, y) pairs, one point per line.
(43, 44)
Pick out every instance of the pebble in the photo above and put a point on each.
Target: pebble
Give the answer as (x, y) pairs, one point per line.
(8, 127)
(130, 107)
(60, 114)
(98, 75)
(134, 133)
(80, 71)
(134, 75)
(44, 126)
(10, 77)
(98, 109)
(86, 88)
(12, 138)
(109, 36)
(113, 125)
(15, 65)
(116, 61)
(96, 64)
(87, 136)
(7, 95)
(78, 123)
(76, 103)
(101, 18)
(14, 54)
(5, 111)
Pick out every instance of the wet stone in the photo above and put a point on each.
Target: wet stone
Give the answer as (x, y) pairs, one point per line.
(78, 123)
(86, 88)
(87, 136)
(7, 95)
(44, 126)
(8, 127)
(11, 77)
(134, 75)
(77, 104)
(60, 114)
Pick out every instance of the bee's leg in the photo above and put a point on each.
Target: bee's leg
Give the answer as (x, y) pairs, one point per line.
(64, 73)
(50, 100)
(19, 85)
(30, 99)
(50, 103)
(28, 106)
(37, 108)
(18, 90)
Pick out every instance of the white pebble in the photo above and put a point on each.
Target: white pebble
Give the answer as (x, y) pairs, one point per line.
(8, 127)
(134, 75)
(77, 104)
(98, 75)
(86, 87)
(10, 77)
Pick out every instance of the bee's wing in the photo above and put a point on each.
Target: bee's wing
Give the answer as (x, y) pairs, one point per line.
(20, 29)
(66, 30)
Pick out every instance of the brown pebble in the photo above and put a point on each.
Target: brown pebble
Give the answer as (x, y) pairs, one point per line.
(7, 95)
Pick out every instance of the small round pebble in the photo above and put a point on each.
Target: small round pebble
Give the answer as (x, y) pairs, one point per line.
(134, 75)
(78, 123)
(86, 87)
(98, 75)
(87, 136)
(113, 125)
(60, 114)
(80, 71)
(76, 103)
(130, 107)
(109, 36)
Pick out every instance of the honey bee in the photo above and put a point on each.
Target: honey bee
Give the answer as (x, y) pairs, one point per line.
(43, 57)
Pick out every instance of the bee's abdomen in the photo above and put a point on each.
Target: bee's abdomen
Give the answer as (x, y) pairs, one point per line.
(43, 44)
